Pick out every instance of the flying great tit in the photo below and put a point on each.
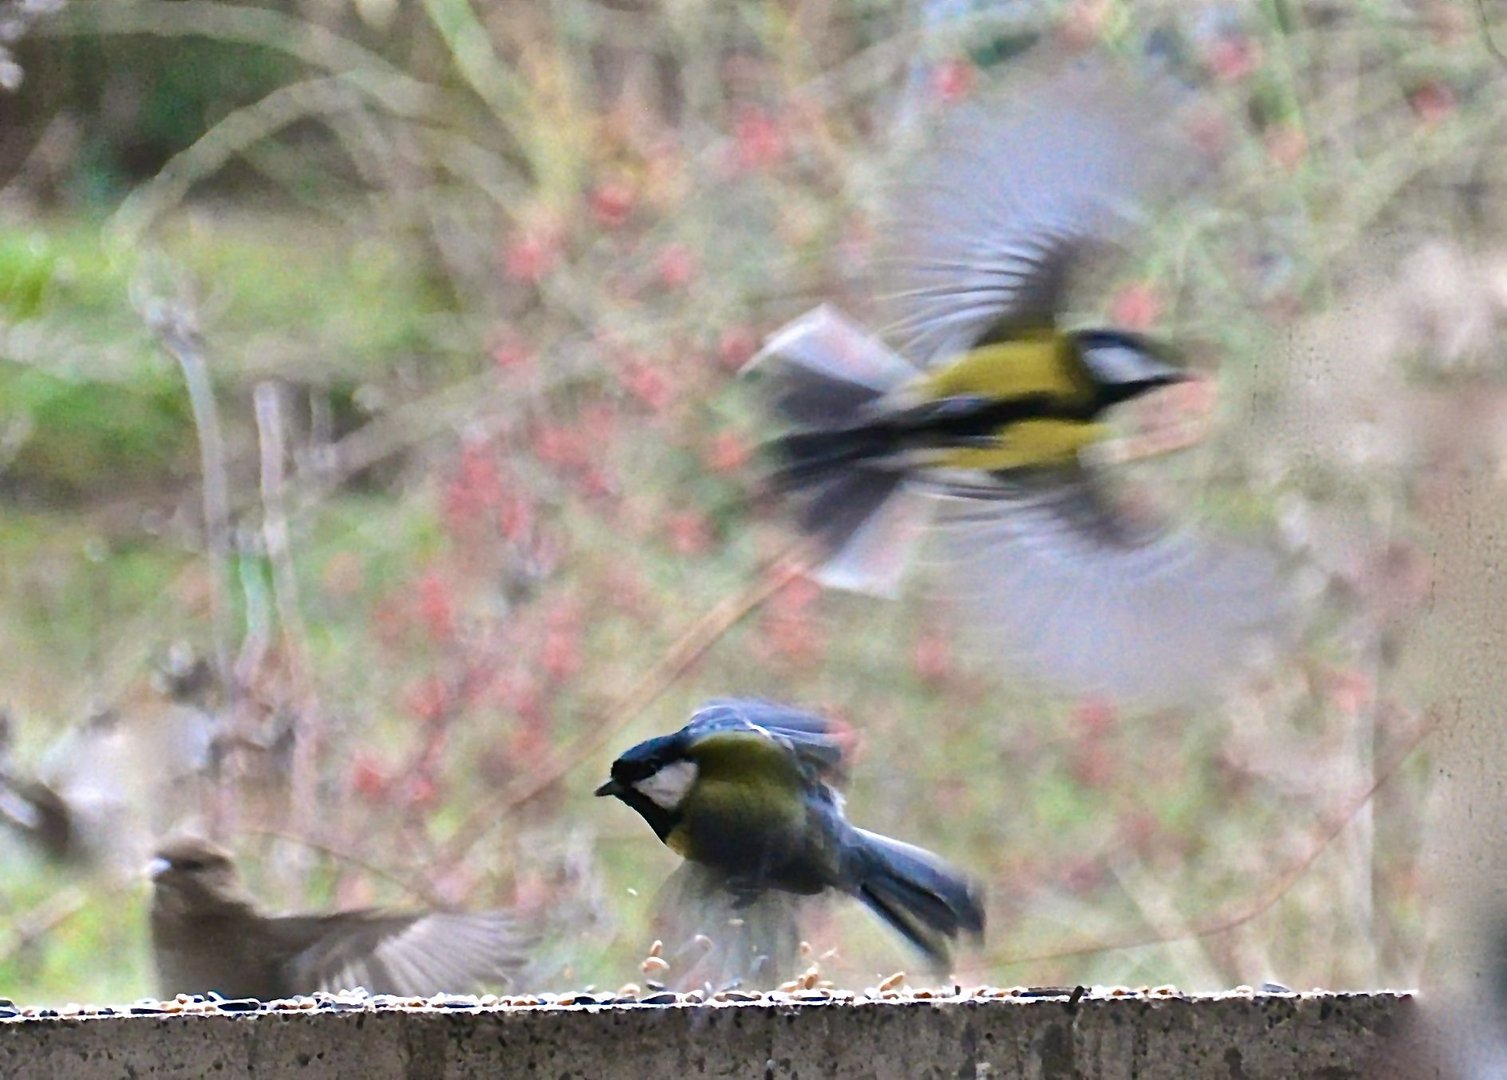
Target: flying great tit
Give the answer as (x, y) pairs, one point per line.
(743, 792)
(979, 419)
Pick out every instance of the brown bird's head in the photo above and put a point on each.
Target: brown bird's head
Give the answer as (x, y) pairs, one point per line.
(193, 876)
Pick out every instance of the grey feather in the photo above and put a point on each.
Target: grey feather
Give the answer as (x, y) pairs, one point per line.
(408, 954)
(1079, 595)
(808, 736)
(1014, 191)
(717, 938)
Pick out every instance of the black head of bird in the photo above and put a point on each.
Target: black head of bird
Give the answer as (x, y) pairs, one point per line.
(654, 778)
(743, 790)
(208, 934)
(1124, 365)
(977, 418)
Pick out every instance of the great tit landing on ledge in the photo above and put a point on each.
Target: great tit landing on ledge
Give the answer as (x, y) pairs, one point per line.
(982, 414)
(743, 791)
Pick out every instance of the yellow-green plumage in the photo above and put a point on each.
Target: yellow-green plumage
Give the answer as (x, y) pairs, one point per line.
(1028, 444)
(1040, 364)
(1037, 362)
(744, 794)
(969, 417)
(740, 776)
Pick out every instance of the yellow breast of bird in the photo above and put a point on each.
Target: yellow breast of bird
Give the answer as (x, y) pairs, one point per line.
(733, 816)
(1035, 364)
(1040, 363)
(678, 840)
(1027, 444)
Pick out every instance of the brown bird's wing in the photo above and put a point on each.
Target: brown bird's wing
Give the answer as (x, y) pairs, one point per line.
(1011, 195)
(1082, 596)
(406, 954)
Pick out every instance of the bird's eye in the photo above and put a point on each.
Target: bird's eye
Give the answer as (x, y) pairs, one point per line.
(191, 865)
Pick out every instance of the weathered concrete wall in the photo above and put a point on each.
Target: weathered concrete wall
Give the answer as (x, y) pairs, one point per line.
(1147, 1037)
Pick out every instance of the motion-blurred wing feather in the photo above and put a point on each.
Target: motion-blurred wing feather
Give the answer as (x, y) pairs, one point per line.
(874, 557)
(810, 738)
(1083, 599)
(721, 938)
(421, 955)
(986, 230)
(823, 366)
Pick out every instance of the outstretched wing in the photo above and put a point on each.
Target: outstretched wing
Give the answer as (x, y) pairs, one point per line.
(816, 742)
(1013, 192)
(1078, 595)
(407, 954)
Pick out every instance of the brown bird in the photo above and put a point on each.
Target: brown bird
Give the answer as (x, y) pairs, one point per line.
(209, 935)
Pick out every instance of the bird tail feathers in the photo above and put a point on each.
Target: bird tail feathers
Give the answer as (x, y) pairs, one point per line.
(926, 901)
(824, 376)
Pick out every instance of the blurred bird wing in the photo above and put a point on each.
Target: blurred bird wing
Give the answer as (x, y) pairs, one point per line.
(406, 954)
(122, 781)
(988, 227)
(875, 557)
(1084, 598)
(21, 803)
(810, 739)
(39, 814)
(717, 937)
(822, 365)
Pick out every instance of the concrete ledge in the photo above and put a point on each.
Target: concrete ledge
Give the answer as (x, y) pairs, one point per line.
(987, 1033)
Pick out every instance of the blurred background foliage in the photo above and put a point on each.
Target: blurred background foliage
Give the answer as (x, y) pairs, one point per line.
(469, 282)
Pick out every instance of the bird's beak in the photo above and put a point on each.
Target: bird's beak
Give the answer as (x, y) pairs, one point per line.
(611, 787)
(1158, 373)
(157, 867)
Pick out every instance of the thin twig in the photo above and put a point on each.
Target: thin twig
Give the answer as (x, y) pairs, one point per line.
(242, 128)
(415, 886)
(307, 730)
(1154, 899)
(42, 920)
(304, 39)
(1224, 923)
(690, 647)
(176, 333)
(1491, 43)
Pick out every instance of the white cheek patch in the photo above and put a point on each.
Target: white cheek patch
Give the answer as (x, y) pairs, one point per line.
(1114, 364)
(668, 786)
